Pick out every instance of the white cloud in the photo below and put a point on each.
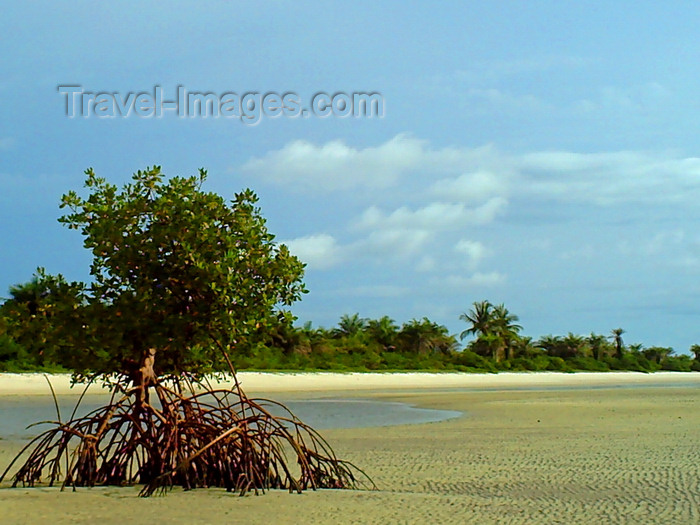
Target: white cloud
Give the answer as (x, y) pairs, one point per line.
(608, 178)
(477, 176)
(566, 161)
(471, 187)
(464, 189)
(434, 216)
(393, 242)
(320, 251)
(474, 251)
(336, 166)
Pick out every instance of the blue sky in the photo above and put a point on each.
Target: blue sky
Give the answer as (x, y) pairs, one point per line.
(541, 154)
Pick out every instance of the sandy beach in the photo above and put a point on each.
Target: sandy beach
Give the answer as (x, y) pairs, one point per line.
(530, 448)
(303, 382)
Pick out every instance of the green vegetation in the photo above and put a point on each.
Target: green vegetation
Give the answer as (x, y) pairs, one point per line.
(358, 344)
(176, 270)
(32, 324)
(183, 284)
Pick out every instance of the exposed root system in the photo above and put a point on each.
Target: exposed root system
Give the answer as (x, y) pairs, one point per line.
(216, 438)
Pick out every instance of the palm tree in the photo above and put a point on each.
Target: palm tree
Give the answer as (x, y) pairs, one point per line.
(31, 293)
(425, 336)
(657, 353)
(524, 347)
(695, 349)
(480, 317)
(287, 338)
(383, 331)
(315, 337)
(635, 348)
(506, 328)
(495, 328)
(573, 346)
(30, 314)
(598, 344)
(552, 344)
(616, 336)
(504, 319)
(350, 325)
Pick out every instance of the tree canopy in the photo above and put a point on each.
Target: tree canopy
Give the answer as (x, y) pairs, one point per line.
(495, 327)
(177, 271)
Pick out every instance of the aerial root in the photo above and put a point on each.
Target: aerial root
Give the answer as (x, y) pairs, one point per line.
(217, 438)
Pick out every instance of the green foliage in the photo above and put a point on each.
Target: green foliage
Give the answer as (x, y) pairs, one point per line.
(472, 360)
(633, 362)
(588, 364)
(175, 269)
(557, 364)
(424, 336)
(599, 345)
(616, 336)
(695, 350)
(350, 326)
(569, 347)
(677, 363)
(13, 356)
(35, 322)
(532, 364)
(47, 319)
(495, 328)
(657, 354)
(383, 331)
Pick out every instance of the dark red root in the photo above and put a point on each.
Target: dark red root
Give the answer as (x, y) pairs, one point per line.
(218, 438)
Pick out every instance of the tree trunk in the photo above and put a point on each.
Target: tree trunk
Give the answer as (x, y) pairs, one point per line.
(145, 376)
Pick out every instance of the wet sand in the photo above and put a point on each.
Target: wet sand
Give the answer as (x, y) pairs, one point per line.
(522, 453)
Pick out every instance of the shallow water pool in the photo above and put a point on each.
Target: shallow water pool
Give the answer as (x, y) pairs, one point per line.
(16, 413)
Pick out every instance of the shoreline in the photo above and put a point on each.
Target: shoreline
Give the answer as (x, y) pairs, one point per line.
(32, 384)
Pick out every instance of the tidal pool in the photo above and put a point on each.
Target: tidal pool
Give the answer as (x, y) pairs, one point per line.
(18, 412)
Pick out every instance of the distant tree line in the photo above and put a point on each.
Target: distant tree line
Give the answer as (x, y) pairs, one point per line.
(30, 340)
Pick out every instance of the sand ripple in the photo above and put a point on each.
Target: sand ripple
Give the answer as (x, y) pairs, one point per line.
(576, 457)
